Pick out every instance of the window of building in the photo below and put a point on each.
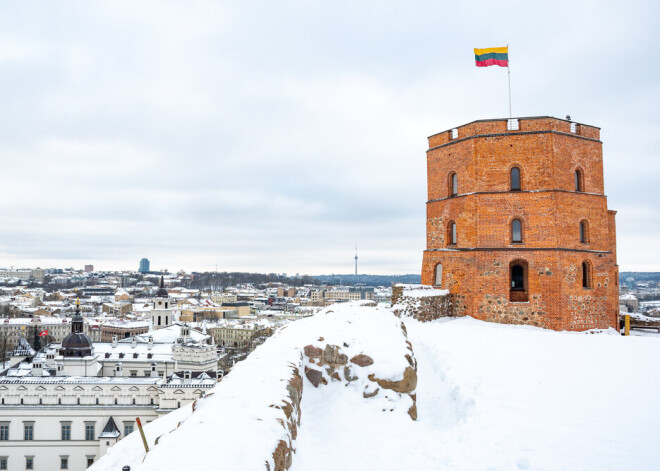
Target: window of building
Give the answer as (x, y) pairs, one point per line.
(453, 184)
(128, 428)
(453, 133)
(515, 179)
(579, 183)
(29, 462)
(451, 236)
(158, 320)
(518, 280)
(66, 430)
(64, 462)
(28, 431)
(516, 231)
(584, 232)
(3, 462)
(90, 461)
(133, 372)
(438, 275)
(4, 431)
(89, 431)
(586, 275)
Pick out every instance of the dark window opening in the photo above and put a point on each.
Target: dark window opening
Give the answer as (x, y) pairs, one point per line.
(584, 232)
(586, 275)
(516, 231)
(578, 181)
(453, 184)
(452, 236)
(515, 179)
(518, 276)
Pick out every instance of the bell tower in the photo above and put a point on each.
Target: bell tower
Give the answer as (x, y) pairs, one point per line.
(162, 312)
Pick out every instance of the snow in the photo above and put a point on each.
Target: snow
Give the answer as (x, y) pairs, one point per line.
(499, 397)
(489, 396)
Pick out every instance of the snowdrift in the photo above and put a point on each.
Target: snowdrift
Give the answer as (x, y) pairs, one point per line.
(250, 420)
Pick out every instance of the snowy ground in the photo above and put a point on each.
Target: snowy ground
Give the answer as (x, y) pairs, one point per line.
(489, 397)
(496, 397)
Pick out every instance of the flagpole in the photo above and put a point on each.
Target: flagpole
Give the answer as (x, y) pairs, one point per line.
(508, 71)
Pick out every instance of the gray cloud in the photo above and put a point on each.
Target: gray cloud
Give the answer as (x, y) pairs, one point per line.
(275, 137)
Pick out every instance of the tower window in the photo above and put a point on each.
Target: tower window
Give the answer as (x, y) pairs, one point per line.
(453, 184)
(515, 179)
(579, 184)
(452, 233)
(584, 232)
(516, 231)
(438, 275)
(518, 280)
(586, 275)
(158, 320)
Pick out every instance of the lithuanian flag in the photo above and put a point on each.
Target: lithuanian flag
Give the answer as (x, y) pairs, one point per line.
(492, 56)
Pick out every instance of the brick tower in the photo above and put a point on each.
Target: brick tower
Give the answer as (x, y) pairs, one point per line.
(518, 228)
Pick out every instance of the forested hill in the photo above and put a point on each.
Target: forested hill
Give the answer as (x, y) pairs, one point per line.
(368, 280)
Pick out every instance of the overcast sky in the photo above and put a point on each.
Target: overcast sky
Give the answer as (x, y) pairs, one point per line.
(275, 136)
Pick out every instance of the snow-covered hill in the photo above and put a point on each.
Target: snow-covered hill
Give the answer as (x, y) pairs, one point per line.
(489, 397)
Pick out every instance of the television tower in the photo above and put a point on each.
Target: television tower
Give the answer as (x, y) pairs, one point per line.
(356, 260)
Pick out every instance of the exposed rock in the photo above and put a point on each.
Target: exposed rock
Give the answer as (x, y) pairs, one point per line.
(347, 374)
(412, 412)
(335, 376)
(282, 456)
(406, 385)
(366, 395)
(332, 356)
(313, 352)
(362, 360)
(314, 376)
(412, 362)
(321, 339)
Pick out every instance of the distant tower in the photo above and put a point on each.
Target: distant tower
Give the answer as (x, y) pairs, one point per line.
(162, 313)
(356, 258)
(144, 266)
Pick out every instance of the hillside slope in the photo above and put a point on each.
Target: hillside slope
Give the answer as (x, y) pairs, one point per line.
(489, 397)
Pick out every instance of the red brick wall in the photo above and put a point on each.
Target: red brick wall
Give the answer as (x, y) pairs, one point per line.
(476, 269)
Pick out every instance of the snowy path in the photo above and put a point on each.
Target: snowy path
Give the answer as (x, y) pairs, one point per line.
(494, 397)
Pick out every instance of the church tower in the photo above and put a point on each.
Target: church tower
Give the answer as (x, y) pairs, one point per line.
(162, 312)
(518, 228)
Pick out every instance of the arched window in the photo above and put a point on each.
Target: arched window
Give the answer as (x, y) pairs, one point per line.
(579, 183)
(515, 179)
(518, 281)
(438, 275)
(516, 231)
(453, 184)
(451, 233)
(586, 275)
(584, 232)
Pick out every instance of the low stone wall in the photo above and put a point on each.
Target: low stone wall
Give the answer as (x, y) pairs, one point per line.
(283, 454)
(422, 302)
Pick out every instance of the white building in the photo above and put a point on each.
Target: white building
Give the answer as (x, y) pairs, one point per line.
(62, 408)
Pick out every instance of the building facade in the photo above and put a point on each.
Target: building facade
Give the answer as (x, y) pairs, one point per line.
(518, 228)
(63, 407)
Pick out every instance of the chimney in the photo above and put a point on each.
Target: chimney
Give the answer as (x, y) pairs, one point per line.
(37, 368)
(114, 341)
(134, 342)
(119, 369)
(150, 343)
(186, 376)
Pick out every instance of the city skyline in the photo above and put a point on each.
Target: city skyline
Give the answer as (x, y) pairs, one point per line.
(274, 138)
